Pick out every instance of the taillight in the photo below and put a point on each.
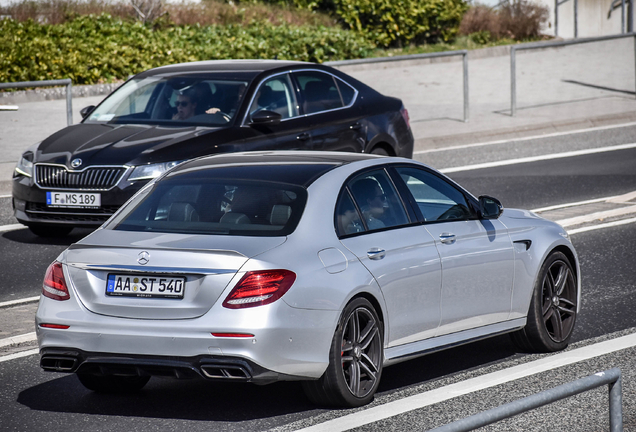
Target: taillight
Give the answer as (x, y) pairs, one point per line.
(259, 288)
(405, 115)
(54, 285)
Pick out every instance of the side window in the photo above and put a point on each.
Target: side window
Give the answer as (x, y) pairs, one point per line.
(378, 201)
(319, 91)
(346, 92)
(276, 94)
(348, 219)
(436, 198)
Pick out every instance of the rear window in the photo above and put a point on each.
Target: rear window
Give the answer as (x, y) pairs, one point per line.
(197, 204)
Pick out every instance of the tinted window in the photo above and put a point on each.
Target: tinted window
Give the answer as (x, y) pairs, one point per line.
(436, 198)
(276, 94)
(319, 91)
(348, 219)
(197, 204)
(346, 91)
(377, 200)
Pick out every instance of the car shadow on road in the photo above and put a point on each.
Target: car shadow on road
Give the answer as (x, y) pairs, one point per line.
(446, 363)
(25, 236)
(165, 398)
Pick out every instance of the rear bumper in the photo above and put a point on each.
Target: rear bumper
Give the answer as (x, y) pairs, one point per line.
(216, 368)
(287, 342)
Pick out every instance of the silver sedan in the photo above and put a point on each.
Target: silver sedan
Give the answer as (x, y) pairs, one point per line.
(317, 267)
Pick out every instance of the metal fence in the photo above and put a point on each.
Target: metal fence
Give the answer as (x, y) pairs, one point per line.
(50, 83)
(463, 53)
(611, 378)
(538, 45)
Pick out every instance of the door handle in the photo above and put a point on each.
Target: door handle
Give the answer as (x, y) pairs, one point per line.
(355, 126)
(376, 253)
(303, 136)
(447, 238)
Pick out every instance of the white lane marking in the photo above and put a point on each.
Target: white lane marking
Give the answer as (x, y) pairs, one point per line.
(597, 216)
(538, 158)
(505, 141)
(616, 199)
(602, 226)
(4, 228)
(20, 301)
(432, 397)
(14, 340)
(5, 196)
(19, 355)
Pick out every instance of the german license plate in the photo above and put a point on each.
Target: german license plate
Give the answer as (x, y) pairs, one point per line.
(73, 199)
(126, 285)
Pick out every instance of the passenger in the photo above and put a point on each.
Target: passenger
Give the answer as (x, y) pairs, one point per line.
(348, 219)
(372, 201)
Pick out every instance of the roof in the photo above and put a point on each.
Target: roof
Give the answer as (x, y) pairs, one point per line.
(281, 157)
(255, 66)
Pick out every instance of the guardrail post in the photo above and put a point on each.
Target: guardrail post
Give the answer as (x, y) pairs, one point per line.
(616, 405)
(69, 103)
(466, 94)
(513, 81)
(67, 82)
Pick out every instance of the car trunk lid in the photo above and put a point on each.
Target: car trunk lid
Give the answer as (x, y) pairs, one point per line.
(114, 272)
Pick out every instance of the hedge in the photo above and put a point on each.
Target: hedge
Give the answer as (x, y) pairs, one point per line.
(92, 49)
(392, 23)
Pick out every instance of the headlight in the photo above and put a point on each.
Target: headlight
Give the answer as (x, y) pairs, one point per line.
(25, 165)
(147, 172)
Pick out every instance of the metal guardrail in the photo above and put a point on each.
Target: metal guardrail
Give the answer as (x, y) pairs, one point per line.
(611, 377)
(538, 45)
(463, 53)
(49, 83)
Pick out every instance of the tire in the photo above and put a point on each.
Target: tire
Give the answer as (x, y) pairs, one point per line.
(552, 312)
(50, 231)
(355, 368)
(379, 151)
(113, 383)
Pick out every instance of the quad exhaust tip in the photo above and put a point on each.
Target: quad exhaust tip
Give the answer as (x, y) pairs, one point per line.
(225, 372)
(58, 363)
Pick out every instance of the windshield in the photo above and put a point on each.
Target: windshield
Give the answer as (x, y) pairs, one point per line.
(190, 100)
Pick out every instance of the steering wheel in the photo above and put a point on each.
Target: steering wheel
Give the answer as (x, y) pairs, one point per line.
(455, 212)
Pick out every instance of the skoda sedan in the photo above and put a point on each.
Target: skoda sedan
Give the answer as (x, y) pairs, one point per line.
(79, 176)
(317, 267)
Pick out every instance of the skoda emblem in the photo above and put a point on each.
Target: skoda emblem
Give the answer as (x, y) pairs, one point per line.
(144, 257)
(76, 163)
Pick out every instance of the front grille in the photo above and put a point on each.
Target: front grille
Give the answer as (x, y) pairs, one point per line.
(92, 178)
(42, 212)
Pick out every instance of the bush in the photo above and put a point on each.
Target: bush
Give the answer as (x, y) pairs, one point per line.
(399, 23)
(514, 19)
(92, 49)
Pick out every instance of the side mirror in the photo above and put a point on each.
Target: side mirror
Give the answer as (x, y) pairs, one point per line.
(265, 117)
(84, 112)
(489, 207)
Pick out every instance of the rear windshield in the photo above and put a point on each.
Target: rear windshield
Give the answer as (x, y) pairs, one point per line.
(199, 205)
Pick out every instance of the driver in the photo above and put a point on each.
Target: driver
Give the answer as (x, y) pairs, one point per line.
(186, 105)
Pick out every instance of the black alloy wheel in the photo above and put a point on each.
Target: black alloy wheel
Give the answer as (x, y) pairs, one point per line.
(552, 313)
(356, 358)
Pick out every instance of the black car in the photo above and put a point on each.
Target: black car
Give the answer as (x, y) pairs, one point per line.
(79, 176)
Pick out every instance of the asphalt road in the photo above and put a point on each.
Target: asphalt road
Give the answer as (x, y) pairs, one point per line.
(33, 400)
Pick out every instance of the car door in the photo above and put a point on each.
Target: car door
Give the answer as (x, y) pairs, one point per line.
(477, 256)
(276, 94)
(373, 224)
(328, 104)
